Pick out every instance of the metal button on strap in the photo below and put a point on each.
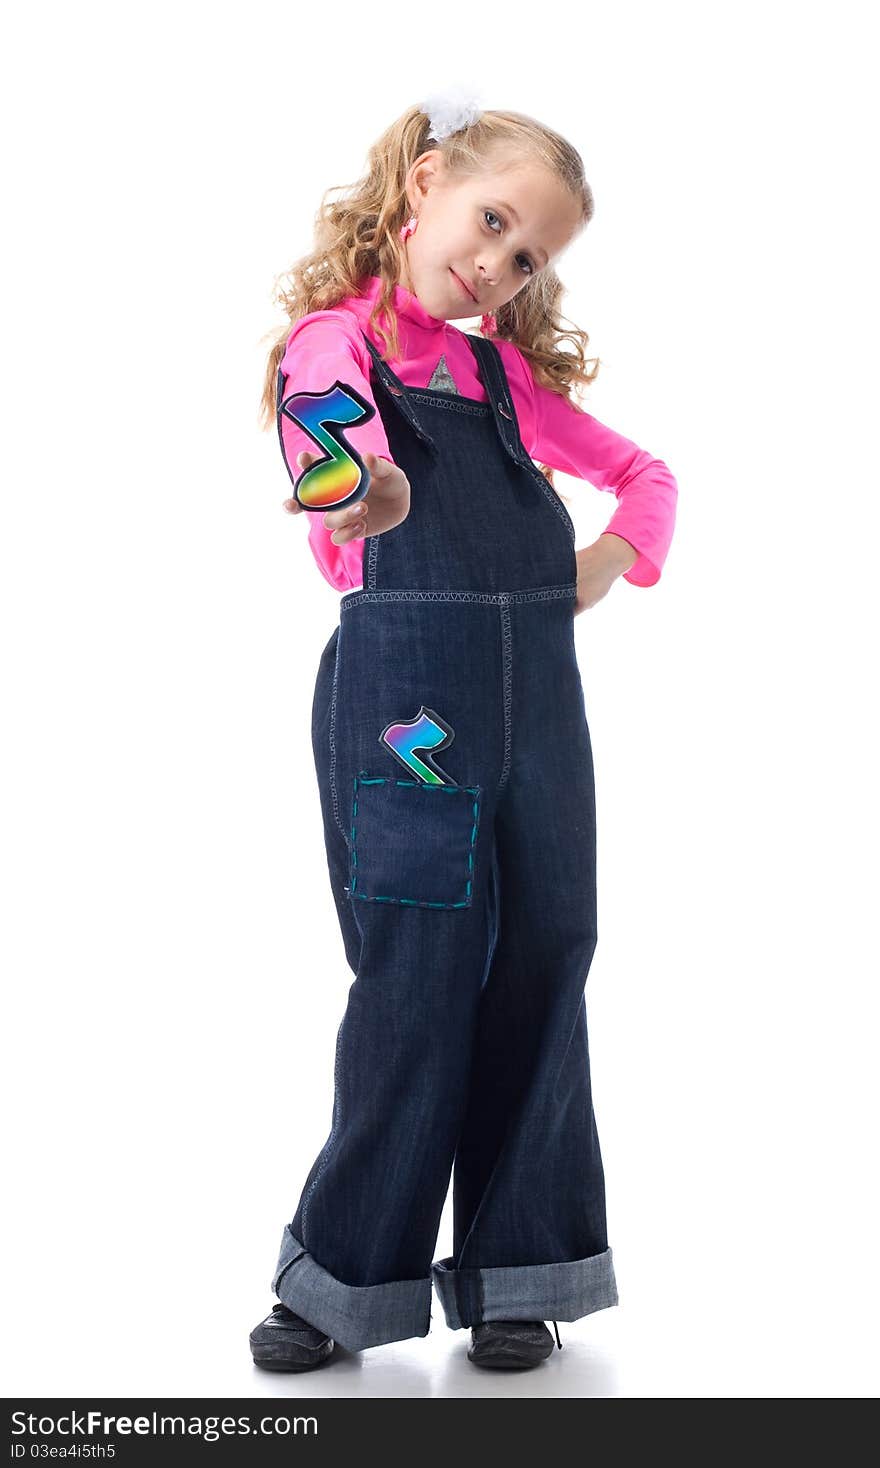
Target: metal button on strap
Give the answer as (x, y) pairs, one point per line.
(502, 409)
(396, 390)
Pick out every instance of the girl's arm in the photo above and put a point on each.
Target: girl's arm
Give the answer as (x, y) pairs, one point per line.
(321, 348)
(558, 433)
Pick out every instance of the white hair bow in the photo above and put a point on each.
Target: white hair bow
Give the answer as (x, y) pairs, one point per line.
(452, 110)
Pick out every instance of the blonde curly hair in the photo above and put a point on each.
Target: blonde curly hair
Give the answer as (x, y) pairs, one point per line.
(357, 235)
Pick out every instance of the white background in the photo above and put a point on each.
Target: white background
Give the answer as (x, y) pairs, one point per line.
(174, 974)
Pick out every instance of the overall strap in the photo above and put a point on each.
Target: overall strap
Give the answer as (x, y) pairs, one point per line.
(398, 390)
(494, 379)
(497, 386)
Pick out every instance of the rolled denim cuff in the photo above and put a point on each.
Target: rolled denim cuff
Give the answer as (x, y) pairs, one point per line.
(357, 1316)
(525, 1292)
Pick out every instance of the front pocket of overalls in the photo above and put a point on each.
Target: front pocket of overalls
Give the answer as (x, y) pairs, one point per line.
(413, 843)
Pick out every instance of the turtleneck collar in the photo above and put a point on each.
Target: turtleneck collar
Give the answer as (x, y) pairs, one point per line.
(405, 303)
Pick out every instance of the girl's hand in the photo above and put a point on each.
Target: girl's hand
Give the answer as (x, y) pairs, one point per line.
(385, 504)
(599, 566)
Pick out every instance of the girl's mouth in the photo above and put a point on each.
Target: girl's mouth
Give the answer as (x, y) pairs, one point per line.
(462, 285)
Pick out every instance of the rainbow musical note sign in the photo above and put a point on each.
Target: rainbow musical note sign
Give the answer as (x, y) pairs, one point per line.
(343, 476)
(427, 731)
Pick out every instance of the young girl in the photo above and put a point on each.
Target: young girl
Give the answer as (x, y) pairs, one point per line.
(451, 746)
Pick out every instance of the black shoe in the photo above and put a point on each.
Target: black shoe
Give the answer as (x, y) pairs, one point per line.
(286, 1342)
(511, 1345)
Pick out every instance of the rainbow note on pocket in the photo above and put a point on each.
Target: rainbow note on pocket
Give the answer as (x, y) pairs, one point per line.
(428, 733)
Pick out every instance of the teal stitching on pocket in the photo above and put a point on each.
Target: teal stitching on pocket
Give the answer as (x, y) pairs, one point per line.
(363, 779)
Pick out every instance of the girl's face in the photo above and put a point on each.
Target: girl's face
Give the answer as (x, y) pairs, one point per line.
(481, 239)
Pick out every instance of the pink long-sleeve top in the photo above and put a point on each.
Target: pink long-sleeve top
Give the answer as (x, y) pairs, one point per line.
(326, 345)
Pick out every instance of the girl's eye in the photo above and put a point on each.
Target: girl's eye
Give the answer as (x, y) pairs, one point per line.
(486, 215)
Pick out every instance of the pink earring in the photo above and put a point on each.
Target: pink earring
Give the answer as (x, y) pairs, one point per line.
(409, 228)
(488, 324)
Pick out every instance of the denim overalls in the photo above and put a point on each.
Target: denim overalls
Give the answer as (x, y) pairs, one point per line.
(464, 873)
